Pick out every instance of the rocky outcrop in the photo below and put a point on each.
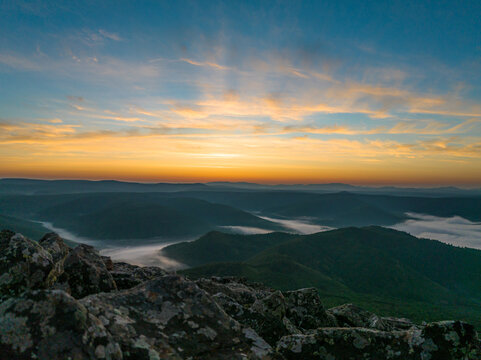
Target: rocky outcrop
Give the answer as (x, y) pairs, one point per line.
(60, 303)
(261, 309)
(24, 264)
(55, 245)
(305, 310)
(436, 341)
(349, 315)
(50, 324)
(171, 317)
(127, 276)
(85, 272)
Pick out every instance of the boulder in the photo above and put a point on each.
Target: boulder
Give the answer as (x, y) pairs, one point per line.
(305, 310)
(349, 315)
(171, 317)
(55, 245)
(398, 323)
(236, 288)
(52, 325)
(260, 308)
(85, 272)
(437, 341)
(127, 276)
(24, 264)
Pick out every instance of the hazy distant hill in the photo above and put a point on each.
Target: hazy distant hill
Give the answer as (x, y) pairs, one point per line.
(340, 209)
(338, 187)
(130, 215)
(343, 208)
(381, 268)
(33, 186)
(110, 215)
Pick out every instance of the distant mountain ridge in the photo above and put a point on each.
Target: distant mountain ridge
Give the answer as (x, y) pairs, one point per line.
(37, 186)
(185, 210)
(113, 216)
(33, 186)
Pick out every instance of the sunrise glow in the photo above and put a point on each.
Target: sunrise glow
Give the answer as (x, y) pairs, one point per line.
(202, 91)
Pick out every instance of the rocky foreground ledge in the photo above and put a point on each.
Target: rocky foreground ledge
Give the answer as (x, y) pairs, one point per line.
(63, 303)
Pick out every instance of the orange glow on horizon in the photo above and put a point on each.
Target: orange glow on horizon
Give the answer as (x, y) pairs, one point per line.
(153, 174)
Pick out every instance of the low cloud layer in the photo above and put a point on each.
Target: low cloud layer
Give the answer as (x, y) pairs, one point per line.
(300, 226)
(245, 230)
(142, 255)
(453, 230)
(148, 255)
(67, 235)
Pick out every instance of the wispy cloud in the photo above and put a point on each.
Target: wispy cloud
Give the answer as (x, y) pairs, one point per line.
(215, 103)
(83, 67)
(18, 62)
(110, 35)
(419, 127)
(205, 63)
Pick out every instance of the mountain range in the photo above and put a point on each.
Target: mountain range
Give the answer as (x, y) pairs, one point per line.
(111, 210)
(36, 186)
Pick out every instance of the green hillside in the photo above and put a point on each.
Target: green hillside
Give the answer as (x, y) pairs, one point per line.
(217, 246)
(383, 269)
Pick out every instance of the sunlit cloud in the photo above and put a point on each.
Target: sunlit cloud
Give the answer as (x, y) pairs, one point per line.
(205, 98)
(205, 63)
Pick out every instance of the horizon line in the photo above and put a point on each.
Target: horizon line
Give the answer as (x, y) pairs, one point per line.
(268, 184)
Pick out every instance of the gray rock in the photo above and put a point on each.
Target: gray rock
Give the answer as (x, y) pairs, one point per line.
(349, 315)
(127, 276)
(171, 317)
(86, 273)
(437, 341)
(123, 311)
(398, 323)
(55, 245)
(236, 288)
(260, 308)
(51, 325)
(24, 265)
(305, 310)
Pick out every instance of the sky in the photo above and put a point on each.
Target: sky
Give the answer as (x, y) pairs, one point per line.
(361, 92)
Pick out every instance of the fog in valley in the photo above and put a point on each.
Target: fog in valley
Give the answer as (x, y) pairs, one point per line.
(147, 252)
(67, 235)
(143, 255)
(452, 230)
(244, 230)
(299, 225)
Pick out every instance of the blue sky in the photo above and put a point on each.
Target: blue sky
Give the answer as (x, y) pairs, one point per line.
(274, 91)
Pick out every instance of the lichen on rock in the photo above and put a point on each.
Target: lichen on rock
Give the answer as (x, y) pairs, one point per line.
(62, 303)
